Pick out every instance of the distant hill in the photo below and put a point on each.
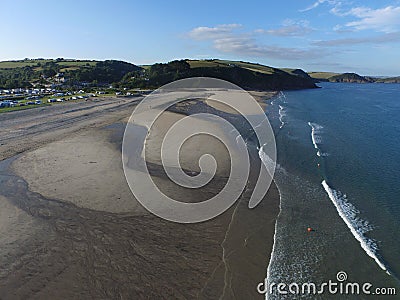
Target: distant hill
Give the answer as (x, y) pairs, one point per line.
(388, 80)
(244, 74)
(350, 78)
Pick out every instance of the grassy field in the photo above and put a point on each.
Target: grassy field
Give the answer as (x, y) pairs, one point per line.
(289, 70)
(251, 66)
(146, 67)
(75, 63)
(322, 75)
(228, 63)
(21, 63)
(33, 62)
(205, 64)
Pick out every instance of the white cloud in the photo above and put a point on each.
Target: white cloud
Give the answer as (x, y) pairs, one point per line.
(225, 39)
(385, 19)
(319, 2)
(248, 47)
(289, 28)
(393, 37)
(205, 33)
(314, 5)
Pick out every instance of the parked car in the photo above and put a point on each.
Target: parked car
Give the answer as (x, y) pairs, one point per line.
(38, 102)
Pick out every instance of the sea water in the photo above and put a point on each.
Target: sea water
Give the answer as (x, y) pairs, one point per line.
(339, 174)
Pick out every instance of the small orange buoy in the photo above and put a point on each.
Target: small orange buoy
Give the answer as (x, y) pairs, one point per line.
(309, 229)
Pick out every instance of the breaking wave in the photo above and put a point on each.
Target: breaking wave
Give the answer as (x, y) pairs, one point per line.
(358, 227)
(316, 137)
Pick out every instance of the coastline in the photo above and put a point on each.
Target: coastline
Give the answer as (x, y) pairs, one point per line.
(228, 255)
(344, 233)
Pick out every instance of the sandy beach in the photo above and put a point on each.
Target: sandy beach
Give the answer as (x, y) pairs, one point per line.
(71, 228)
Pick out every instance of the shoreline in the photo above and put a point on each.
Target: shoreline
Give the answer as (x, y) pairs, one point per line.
(272, 253)
(229, 254)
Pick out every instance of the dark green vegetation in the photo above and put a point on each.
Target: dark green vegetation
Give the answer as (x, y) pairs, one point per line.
(66, 73)
(40, 72)
(351, 77)
(244, 74)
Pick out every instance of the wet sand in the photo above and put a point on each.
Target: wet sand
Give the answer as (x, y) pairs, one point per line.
(70, 227)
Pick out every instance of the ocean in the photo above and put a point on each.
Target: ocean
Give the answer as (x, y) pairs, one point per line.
(338, 174)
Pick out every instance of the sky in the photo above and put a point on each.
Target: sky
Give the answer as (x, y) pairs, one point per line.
(315, 35)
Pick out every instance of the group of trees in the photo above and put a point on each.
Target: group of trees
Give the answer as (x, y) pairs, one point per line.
(102, 72)
(160, 74)
(108, 71)
(156, 75)
(22, 77)
(18, 77)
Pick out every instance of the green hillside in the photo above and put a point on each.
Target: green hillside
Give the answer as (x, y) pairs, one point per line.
(244, 74)
(62, 72)
(67, 72)
(322, 75)
(39, 72)
(297, 72)
(229, 63)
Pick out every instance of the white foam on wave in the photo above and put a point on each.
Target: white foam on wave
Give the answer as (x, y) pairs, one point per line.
(282, 114)
(358, 227)
(267, 161)
(273, 252)
(316, 138)
(316, 130)
(321, 154)
(282, 97)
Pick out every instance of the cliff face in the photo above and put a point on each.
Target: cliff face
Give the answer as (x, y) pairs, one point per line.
(350, 77)
(249, 79)
(389, 80)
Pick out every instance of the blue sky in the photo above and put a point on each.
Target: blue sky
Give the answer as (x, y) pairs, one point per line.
(316, 35)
